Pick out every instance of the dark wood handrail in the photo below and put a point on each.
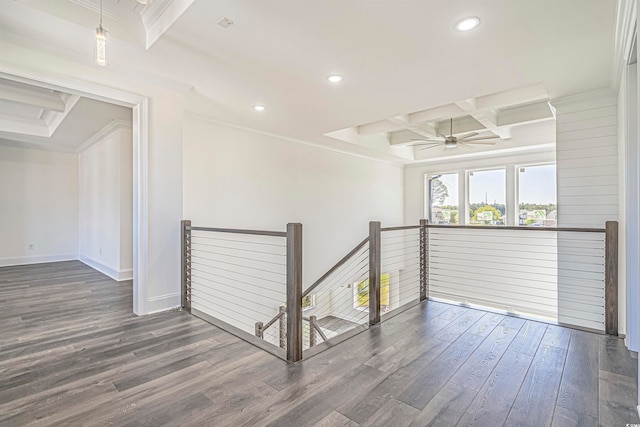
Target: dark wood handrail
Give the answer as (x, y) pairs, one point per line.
(335, 267)
(510, 227)
(238, 231)
(272, 321)
(403, 227)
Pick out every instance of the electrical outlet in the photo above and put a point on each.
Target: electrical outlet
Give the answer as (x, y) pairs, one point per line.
(32, 246)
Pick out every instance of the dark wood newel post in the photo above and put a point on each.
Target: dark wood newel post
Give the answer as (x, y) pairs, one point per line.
(374, 272)
(294, 292)
(424, 260)
(185, 263)
(611, 278)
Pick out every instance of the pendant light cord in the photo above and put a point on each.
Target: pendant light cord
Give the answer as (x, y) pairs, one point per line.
(100, 13)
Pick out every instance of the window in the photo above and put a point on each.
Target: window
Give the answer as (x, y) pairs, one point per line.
(361, 293)
(487, 197)
(443, 199)
(537, 196)
(308, 302)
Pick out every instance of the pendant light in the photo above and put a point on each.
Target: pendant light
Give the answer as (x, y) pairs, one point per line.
(101, 43)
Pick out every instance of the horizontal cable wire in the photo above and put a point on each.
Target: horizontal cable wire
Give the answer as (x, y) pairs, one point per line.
(206, 280)
(203, 289)
(237, 265)
(197, 250)
(244, 274)
(239, 241)
(236, 249)
(235, 280)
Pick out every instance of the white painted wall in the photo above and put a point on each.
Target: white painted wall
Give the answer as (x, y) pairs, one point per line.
(105, 200)
(239, 179)
(235, 178)
(38, 205)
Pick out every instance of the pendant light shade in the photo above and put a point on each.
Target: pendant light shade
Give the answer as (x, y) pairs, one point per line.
(101, 46)
(101, 43)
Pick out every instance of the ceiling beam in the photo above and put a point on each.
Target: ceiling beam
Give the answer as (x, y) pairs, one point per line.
(12, 125)
(405, 137)
(378, 127)
(489, 119)
(521, 95)
(44, 100)
(525, 114)
(438, 113)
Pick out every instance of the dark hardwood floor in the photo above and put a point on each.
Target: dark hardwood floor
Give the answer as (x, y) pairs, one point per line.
(71, 353)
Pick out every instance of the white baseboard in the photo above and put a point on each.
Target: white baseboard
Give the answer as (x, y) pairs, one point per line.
(164, 302)
(36, 259)
(116, 275)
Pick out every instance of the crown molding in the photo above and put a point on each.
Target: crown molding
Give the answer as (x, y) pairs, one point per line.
(625, 31)
(157, 20)
(397, 162)
(88, 4)
(605, 94)
(103, 133)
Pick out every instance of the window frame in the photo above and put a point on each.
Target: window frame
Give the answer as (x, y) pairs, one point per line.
(516, 204)
(426, 209)
(507, 211)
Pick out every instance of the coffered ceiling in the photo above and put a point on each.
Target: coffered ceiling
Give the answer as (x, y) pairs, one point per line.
(37, 117)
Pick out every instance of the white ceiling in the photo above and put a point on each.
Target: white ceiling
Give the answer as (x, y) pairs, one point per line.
(37, 117)
(398, 57)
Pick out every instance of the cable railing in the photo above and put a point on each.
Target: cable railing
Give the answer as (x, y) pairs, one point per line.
(249, 282)
(400, 267)
(232, 277)
(558, 275)
(338, 302)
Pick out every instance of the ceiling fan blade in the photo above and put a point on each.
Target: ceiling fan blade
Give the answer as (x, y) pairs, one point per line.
(462, 138)
(481, 138)
(432, 146)
(428, 140)
(463, 145)
(480, 143)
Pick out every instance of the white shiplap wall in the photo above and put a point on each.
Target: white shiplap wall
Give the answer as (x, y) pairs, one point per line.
(587, 180)
(587, 159)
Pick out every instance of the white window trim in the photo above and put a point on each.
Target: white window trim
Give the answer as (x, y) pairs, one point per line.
(512, 187)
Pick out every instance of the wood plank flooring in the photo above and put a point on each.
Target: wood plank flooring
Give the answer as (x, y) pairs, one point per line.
(71, 353)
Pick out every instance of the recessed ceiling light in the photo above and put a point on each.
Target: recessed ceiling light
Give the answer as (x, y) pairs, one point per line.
(335, 78)
(467, 24)
(259, 107)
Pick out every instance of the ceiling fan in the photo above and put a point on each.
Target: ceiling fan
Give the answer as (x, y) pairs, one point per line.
(453, 141)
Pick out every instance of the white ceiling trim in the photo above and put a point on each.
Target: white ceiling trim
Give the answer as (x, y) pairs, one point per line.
(53, 120)
(47, 101)
(390, 160)
(23, 126)
(495, 154)
(114, 126)
(92, 5)
(159, 19)
(624, 33)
